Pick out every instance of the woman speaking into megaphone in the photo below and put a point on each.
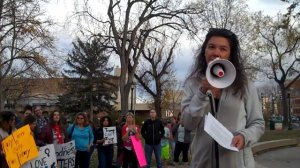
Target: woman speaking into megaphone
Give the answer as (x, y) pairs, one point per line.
(218, 72)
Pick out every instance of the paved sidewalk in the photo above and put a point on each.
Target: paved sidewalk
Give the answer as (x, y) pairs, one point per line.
(280, 158)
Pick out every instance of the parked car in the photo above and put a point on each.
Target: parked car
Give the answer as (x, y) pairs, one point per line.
(295, 119)
(274, 120)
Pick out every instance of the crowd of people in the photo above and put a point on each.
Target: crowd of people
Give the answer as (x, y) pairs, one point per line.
(166, 138)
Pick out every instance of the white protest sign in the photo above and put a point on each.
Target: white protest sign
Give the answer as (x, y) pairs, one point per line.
(110, 135)
(46, 158)
(65, 154)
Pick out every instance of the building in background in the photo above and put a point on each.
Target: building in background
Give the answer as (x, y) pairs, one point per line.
(41, 91)
(271, 100)
(295, 98)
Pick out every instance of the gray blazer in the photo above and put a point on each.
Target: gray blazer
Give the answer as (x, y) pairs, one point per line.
(187, 134)
(243, 116)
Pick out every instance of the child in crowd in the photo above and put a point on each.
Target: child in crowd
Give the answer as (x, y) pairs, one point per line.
(165, 147)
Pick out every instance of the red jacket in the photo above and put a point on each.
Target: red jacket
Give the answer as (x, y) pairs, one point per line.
(46, 134)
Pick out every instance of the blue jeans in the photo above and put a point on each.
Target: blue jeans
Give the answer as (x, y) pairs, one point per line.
(172, 147)
(105, 156)
(157, 152)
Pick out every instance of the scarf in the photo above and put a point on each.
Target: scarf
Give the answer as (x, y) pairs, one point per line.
(57, 132)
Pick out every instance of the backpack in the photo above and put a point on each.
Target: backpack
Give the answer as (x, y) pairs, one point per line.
(70, 134)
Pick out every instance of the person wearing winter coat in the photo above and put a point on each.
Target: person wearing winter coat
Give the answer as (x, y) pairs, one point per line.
(153, 131)
(237, 106)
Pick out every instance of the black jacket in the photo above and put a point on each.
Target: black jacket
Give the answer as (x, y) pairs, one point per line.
(152, 131)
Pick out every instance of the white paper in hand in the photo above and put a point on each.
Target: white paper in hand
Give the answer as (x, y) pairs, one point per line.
(218, 132)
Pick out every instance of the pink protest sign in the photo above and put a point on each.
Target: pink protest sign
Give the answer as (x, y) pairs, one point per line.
(139, 151)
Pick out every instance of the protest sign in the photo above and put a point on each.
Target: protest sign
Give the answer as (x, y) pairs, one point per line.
(46, 158)
(8, 145)
(139, 151)
(65, 154)
(19, 147)
(110, 135)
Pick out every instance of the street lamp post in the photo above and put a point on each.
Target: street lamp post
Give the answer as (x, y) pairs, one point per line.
(289, 112)
(273, 106)
(262, 101)
(132, 88)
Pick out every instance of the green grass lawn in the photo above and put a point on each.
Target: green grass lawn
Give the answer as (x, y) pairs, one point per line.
(94, 160)
(276, 135)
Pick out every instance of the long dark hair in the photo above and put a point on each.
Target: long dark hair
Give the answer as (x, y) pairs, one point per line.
(29, 119)
(5, 117)
(51, 120)
(200, 65)
(52, 123)
(108, 119)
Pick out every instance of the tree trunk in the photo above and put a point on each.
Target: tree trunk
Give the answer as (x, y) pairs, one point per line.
(157, 102)
(1, 96)
(285, 108)
(91, 107)
(158, 107)
(124, 92)
(1, 100)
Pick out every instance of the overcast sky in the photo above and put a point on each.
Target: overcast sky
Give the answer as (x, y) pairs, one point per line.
(58, 9)
(184, 61)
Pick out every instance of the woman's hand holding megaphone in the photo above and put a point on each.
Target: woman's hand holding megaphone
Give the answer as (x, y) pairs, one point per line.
(205, 86)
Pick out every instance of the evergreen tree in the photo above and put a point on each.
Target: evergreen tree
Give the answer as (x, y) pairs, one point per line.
(88, 81)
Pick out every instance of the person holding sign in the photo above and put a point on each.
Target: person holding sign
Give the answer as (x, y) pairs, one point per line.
(54, 132)
(82, 133)
(7, 126)
(105, 151)
(31, 120)
(128, 130)
(237, 106)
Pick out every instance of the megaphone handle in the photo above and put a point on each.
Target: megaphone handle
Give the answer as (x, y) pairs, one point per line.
(212, 102)
(215, 143)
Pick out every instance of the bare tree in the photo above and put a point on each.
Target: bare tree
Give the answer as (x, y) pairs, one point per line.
(156, 71)
(292, 10)
(130, 25)
(279, 46)
(172, 96)
(24, 42)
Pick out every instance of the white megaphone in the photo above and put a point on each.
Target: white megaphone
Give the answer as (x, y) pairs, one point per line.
(220, 73)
